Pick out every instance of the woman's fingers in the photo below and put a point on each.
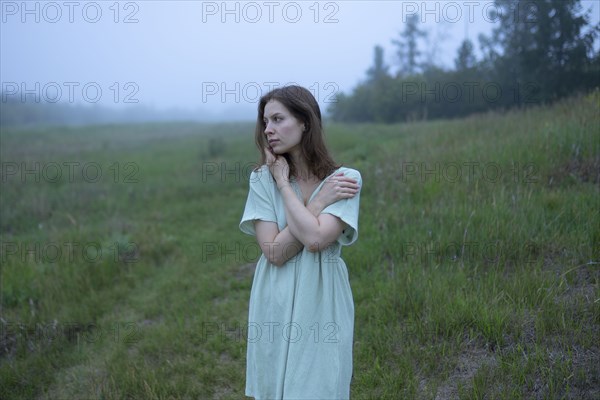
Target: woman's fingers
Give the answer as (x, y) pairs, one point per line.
(269, 156)
(340, 177)
(349, 183)
(343, 186)
(345, 191)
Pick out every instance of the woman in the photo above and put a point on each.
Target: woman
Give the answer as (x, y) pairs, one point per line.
(302, 208)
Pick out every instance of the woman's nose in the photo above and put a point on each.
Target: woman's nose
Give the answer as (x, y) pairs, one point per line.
(268, 128)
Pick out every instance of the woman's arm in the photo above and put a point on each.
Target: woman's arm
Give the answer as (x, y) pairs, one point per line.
(314, 232)
(278, 246)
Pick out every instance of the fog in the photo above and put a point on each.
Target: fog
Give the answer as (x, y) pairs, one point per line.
(213, 59)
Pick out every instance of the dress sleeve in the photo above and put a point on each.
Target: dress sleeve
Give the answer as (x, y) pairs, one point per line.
(259, 204)
(347, 211)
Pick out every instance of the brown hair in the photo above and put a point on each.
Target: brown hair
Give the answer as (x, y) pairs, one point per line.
(303, 106)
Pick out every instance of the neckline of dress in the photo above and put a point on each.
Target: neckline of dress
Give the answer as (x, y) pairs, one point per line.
(298, 190)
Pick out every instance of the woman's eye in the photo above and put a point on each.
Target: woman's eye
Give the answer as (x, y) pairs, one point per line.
(274, 119)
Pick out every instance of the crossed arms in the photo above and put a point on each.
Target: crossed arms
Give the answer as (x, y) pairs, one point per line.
(307, 227)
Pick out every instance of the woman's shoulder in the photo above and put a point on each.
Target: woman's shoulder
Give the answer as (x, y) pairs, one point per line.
(261, 175)
(351, 172)
(259, 170)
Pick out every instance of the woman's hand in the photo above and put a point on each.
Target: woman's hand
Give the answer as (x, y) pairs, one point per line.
(336, 187)
(278, 166)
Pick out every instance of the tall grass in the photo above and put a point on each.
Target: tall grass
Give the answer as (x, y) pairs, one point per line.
(475, 274)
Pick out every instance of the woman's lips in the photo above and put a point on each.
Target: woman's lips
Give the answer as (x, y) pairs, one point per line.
(273, 141)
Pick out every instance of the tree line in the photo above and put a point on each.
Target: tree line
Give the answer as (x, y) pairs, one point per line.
(541, 54)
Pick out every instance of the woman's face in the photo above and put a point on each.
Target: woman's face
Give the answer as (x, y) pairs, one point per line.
(282, 129)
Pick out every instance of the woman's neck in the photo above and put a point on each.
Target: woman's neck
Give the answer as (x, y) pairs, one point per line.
(303, 173)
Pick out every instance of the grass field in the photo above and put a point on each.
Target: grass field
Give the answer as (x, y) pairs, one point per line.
(476, 272)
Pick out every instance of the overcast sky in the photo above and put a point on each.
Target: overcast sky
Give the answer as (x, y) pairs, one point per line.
(215, 56)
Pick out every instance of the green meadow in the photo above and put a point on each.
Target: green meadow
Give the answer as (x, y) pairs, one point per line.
(475, 275)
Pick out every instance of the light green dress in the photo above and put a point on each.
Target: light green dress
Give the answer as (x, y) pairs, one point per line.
(301, 315)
